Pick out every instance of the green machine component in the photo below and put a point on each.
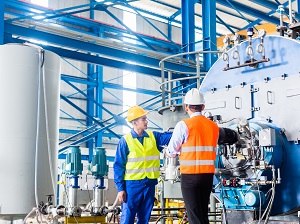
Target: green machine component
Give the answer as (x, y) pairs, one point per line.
(73, 165)
(99, 167)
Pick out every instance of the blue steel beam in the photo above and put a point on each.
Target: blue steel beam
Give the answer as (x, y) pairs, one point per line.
(95, 59)
(225, 24)
(188, 25)
(80, 80)
(151, 24)
(75, 131)
(209, 33)
(84, 25)
(273, 10)
(99, 99)
(101, 8)
(77, 80)
(2, 22)
(91, 103)
(178, 9)
(88, 97)
(90, 108)
(62, 12)
(78, 133)
(83, 112)
(136, 90)
(248, 10)
(58, 12)
(88, 137)
(272, 6)
(103, 50)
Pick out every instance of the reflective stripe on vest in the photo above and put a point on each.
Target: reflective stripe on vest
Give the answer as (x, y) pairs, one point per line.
(198, 152)
(143, 160)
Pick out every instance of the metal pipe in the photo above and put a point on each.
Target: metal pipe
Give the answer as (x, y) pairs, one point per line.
(170, 88)
(162, 67)
(198, 70)
(290, 12)
(71, 199)
(212, 202)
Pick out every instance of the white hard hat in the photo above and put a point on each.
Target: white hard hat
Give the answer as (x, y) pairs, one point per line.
(194, 97)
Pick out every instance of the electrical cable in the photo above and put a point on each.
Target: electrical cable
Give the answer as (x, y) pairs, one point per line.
(29, 214)
(37, 128)
(46, 121)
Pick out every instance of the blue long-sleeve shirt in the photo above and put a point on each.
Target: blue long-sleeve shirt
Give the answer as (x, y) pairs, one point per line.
(122, 152)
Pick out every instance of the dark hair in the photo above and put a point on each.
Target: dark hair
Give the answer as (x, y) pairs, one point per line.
(195, 108)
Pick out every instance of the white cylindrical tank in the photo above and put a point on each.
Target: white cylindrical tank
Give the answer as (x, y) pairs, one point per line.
(26, 73)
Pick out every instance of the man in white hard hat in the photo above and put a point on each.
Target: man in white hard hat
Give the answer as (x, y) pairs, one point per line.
(195, 139)
(137, 167)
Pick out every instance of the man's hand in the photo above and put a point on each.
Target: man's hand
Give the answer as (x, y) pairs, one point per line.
(122, 196)
(167, 153)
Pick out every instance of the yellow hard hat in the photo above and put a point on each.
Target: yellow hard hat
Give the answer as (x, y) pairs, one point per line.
(135, 112)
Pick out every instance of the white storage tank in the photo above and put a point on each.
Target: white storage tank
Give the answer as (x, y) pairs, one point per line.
(27, 130)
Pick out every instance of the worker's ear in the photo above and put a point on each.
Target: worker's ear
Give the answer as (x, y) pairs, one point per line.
(186, 107)
(203, 107)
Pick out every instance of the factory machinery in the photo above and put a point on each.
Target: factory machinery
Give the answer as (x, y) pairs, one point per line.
(253, 93)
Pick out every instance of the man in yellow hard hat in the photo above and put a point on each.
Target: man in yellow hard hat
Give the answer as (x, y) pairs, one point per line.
(195, 138)
(136, 167)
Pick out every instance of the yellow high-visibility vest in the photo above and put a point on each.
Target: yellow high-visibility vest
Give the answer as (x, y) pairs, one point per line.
(142, 160)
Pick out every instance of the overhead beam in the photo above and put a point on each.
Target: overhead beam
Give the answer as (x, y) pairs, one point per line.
(249, 11)
(144, 64)
(272, 6)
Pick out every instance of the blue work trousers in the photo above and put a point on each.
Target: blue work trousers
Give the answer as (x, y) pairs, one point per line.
(139, 202)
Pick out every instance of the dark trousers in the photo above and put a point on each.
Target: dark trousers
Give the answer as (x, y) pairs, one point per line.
(196, 190)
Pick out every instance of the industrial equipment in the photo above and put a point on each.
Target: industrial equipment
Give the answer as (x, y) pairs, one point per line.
(253, 93)
(73, 167)
(28, 146)
(257, 97)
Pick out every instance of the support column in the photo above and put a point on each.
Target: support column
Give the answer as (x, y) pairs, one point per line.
(99, 100)
(2, 22)
(209, 32)
(188, 25)
(90, 106)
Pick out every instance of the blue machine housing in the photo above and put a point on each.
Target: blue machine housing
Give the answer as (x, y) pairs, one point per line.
(262, 169)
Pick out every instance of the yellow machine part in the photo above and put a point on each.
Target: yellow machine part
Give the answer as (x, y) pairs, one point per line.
(86, 219)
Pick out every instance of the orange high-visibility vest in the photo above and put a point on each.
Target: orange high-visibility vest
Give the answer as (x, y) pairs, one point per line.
(198, 152)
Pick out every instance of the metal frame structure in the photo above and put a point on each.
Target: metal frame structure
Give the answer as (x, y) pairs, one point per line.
(100, 44)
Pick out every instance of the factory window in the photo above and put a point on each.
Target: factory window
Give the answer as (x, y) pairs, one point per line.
(129, 78)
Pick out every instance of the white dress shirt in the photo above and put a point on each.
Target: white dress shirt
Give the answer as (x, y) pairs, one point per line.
(179, 136)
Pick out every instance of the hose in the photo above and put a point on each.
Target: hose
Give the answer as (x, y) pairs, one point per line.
(114, 204)
(37, 130)
(47, 125)
(29, 214)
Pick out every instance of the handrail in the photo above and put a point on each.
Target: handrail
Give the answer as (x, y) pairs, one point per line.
(168, 86)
